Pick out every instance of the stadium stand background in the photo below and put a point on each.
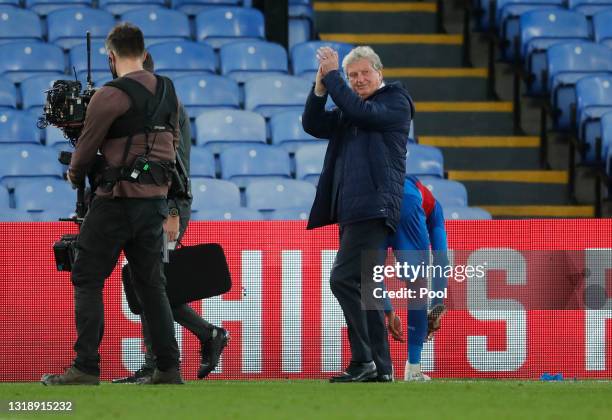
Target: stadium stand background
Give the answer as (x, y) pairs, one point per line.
(245, 97)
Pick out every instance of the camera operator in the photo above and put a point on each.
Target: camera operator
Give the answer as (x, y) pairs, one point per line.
(133, 122)
(212, 339)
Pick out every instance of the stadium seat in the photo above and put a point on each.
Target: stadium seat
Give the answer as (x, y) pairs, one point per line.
(589, 7)
(280, 194)
(18, 126)
(594, 99)
(53, 215)
(448, 193)
(222, 25)
(540, 29)
(45, 194)
(119, 7)
(159, 24)
(217, 130)
(8, 94)
(45, 7)
(5, 201)
(269, 95)
(193, 7)
(214, 194)
(202, 163)
(424, 160)
(14, 215)
(67, 27)
(33, 90)
(606, 141)
(14, 3)
(465, 213)
(243, 60)
(507, 19)
(19, 25)
(181, 58)
(99, 61)
(54, 137)
(27, 160)
(237, 213)
(602, 30)
(246, 164)
(290, 214)
(24, 59)
(286, 131)
(304, 57)
(567, 63)
(309, 162)
(205, 92)
(299, 31)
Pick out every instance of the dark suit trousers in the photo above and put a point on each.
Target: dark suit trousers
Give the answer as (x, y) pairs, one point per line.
(366, 328)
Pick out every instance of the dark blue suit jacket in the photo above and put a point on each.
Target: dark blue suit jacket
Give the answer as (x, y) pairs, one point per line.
(371, 134)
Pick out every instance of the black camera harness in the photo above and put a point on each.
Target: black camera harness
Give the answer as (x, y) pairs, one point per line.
(148, 113)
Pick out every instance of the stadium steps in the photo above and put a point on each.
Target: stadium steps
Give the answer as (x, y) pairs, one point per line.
(454, 112)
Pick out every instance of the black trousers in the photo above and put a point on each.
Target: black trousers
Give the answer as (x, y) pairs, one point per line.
(183, 314)
(134, 226)
(367, 331)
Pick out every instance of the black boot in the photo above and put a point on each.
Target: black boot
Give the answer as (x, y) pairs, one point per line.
(211, 351)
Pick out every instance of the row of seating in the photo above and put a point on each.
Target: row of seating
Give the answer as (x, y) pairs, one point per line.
(242, 164)
(239, 60)
(276, 199)
(215, 26)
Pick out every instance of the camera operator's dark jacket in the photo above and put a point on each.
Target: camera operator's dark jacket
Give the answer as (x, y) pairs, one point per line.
(183, 153)
(106, 105)
(367, 138)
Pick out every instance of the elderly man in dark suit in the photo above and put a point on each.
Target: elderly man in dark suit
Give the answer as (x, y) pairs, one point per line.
(360, 188)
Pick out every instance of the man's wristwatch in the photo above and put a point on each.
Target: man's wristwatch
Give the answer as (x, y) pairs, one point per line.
(174, 212)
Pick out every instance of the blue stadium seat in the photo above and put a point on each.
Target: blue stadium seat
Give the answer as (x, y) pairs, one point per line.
(286, 131)
(236, 214)
(243, 60)
(594, 99)
(602, 29)
(280, 194)
(5, 201)
(119, 7)
(19, 25)
(540, 29)
(181, 58)
(99, 60)
(589, 7)
(52, 215)
(18, 127)
(45, 194)
(269, 95)
(67, 27)
(55, 137)
(218, 130)
(14, 3)
(290, 214)
(8, 94)
(448, 193)
(159, 24)
(424, 160)
(193, 7)
(309, 162)
(299, 31)
(27, 160)
(567, 63)
(33, 90)
(205, 92)
(214, 194)
(221, 25)
(24, 59)
(202, 163)
(246, 164)
(465, 213)
(508, 13)
(44, 7)
(304, 57)
(14, 215)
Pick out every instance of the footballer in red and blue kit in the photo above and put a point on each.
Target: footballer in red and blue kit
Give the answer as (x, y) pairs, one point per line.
(421, 228)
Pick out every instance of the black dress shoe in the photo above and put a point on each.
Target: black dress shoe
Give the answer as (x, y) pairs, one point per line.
(357, 372)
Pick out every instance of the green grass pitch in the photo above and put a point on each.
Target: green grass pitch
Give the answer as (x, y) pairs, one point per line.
(311, 399)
